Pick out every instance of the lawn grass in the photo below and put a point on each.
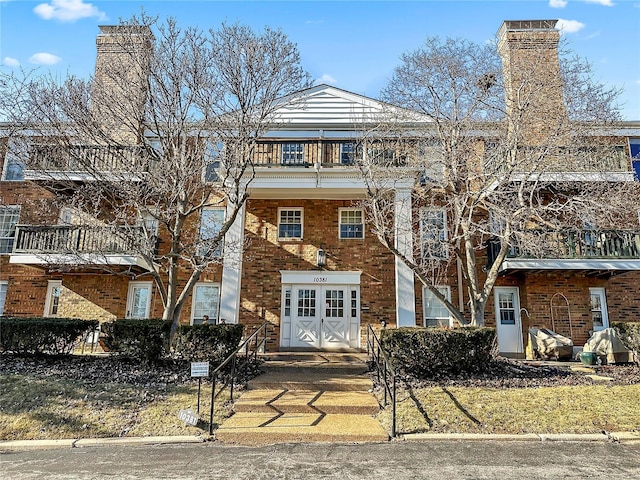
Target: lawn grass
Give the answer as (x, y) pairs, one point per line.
(562, 409)
(53, 408)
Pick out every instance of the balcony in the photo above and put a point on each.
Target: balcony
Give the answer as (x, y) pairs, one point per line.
(86, 162)
(75, 245)
(595, 251)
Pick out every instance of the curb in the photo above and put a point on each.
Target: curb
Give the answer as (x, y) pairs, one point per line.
(616, 437)
(98, 442)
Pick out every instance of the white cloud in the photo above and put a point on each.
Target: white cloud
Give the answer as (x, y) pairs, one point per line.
(43, 58)
(569, 26)
(67, 10)
(10, 62)
(606, 3)
(325, 78)
(557, 3)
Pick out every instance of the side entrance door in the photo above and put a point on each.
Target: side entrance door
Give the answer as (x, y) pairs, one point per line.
(508, 321)
(320, 317)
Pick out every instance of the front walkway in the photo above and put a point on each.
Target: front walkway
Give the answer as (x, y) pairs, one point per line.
(306, 397)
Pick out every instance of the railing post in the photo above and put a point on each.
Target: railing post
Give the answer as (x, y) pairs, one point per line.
(246, 364)
(393, 409)
(384, 378)
(213, 399)
(233, 375)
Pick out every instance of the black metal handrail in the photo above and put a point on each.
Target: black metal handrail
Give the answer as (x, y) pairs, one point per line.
(259, 341)
(386, 376)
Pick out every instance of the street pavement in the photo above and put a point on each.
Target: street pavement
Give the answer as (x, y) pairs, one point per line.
(395, 460)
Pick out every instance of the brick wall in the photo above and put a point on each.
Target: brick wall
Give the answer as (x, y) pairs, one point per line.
(265, 256)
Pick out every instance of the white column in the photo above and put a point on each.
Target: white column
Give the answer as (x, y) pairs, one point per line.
(405, 293)
(232, 269)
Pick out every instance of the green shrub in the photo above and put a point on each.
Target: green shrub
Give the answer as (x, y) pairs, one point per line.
(429, 352)
(145, 340)
(630, 335)
(211, 343)
(35, 336)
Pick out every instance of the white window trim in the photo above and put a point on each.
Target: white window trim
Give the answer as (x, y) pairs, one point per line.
(130, 297)
(605, 310)
(423, 211)
(51, 285)
(193, 301)
(346, 209)
(291, 209)
(5, 284)
(447, 294)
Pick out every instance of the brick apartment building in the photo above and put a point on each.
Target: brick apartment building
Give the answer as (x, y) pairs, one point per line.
(309, 263)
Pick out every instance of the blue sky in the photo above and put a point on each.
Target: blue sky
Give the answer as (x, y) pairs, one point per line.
(352, 45)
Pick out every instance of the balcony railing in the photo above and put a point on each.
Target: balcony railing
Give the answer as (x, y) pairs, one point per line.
(89, 158)
(79, 239)
(572, 244)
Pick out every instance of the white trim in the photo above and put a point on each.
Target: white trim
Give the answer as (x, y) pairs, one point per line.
(348, 209)
(88, 259)
(216, 315)
(290, 209)
(570, 264)
(19, 209)
(599, 291)
(232, 267)
(51, 285)
(405, 280)
(319, 277)
(132, 286)
(517, 326)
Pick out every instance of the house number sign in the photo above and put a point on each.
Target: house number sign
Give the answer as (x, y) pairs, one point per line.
(320, 279)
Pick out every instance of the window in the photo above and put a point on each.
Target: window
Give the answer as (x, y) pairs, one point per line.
(212, 154)
(599, 314)
(13, 166)
(139, 300)
(52, 302)
(290, 223)
(349, 153)
(382, 156)
(205, 302)
(434, 312)
(8, 219)
(634, 148)
(211, 221)
(433, 228)
(292, 154)
(150, 224)
(351, 224)
(3, 296)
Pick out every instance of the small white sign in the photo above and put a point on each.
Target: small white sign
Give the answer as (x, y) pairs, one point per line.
(188, 417)
(199, 369)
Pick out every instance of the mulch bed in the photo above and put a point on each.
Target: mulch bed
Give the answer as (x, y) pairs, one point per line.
(506, 373)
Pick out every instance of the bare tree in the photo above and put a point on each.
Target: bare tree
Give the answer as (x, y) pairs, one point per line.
(164, 131)
(503, 152)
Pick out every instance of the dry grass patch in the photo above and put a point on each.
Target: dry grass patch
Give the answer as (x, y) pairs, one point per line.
(52, 407)
(562, 409)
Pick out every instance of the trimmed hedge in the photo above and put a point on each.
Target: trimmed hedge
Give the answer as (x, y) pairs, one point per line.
(630, 335)
(146, 340)
(211, 343)
(36, 336)
(429, 352)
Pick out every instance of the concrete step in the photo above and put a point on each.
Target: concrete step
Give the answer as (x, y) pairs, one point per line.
(245, 428)
(307, 401)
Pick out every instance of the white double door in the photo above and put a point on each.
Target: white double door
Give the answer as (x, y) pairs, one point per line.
(320, 317)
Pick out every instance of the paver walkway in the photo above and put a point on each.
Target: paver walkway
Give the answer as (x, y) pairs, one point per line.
(306, 397)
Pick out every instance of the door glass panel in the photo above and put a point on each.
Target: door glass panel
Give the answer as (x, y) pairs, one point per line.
(507, 310)
(596, 309)
(140, 300)
(334, 303)
(306, 302)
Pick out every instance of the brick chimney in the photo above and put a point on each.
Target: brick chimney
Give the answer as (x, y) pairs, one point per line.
(120, 84)
(533, 85)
